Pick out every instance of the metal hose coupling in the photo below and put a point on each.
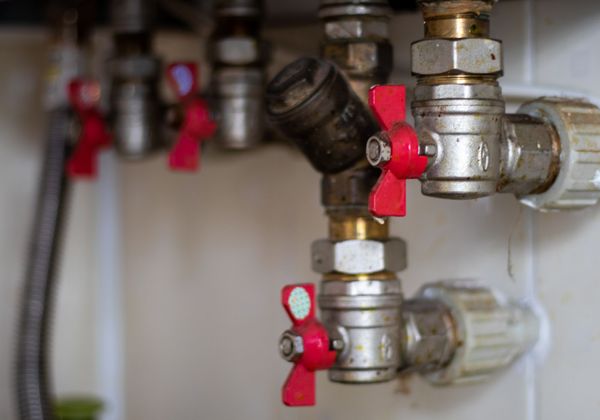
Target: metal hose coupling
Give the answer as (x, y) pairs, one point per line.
(34, 385)
(238, 55)
(475, 332)
(356, 39)
(135, 73)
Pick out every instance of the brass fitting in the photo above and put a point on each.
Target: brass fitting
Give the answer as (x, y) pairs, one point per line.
(463, 26)
(356, 39)
(350, 226)
(457, 18)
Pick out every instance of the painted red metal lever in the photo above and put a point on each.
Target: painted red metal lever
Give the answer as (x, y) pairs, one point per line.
(388, 197)
(197, 125)
(311, 347)
(84, 97)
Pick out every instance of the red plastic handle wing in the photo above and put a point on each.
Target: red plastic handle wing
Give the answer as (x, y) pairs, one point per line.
(197, 125)
(84, 97)
(388, 104)
(300, 387)
(299, 303)
(388, 197)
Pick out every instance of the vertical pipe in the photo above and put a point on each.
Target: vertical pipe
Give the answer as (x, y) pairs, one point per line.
(531, 387)
(70, 23)
(238, 57)
(135, 75)
(33, 379)
(109, 317)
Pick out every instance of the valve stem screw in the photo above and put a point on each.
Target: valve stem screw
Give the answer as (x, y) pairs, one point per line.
(379, 150)
(291, 346)
(337, 344)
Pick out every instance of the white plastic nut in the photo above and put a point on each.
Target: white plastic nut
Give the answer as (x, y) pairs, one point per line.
(491, 331)
(577, 123)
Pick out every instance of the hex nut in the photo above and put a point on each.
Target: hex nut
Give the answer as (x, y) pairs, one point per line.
(361, 57)
(467, 55)
(430, 336)
(358, 256)
(379, 150)
(237, 50)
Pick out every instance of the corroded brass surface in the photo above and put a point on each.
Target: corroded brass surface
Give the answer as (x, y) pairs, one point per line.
(457, 19)
(468, 26)
(383, 275)
(345, 227)
(457, 79)
(355, 226)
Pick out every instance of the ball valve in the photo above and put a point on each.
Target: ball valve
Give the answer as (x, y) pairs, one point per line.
(450, 332)
(395, 150)
(306, 344)
(197, 124)
(84, 97)
(466, 146)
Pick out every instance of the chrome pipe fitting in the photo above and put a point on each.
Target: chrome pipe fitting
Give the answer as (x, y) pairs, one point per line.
(241, 109)
(478, 149)
(136, 106)
(464, 125)
(238, 55)
(366, 316)
(356, 39)
(430, 337)
(135, 73)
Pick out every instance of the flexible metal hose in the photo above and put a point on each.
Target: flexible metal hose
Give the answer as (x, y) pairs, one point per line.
(33, 383)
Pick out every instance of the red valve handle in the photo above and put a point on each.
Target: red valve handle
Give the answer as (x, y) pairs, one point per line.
(299, 303)
(388, 197)
(197, 123)
(84, 97)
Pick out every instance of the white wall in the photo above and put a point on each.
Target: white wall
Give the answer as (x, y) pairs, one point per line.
(567, 244)
(203, 257)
